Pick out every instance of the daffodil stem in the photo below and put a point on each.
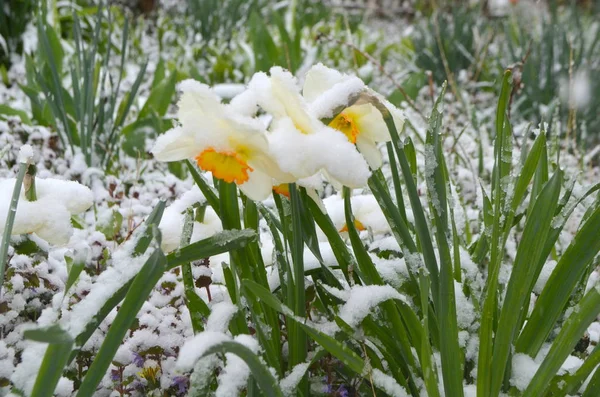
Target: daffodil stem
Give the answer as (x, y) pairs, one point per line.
(29, 182)
(200, 212)
(10, 219)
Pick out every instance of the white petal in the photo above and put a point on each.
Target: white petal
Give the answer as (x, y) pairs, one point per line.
(369, 150)
(319, 79)
(337, 97)
(197, 103)
(286, 92)
(174, 145)
(340, 159)
(265, 163)
(245, 103)
(372, 125)
(258, 186)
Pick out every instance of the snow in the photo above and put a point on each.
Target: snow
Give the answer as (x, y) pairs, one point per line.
(547, 270)
(290, 382)
(25, 154)
(387, 383)
(50, 215)
(523, 370)
(193, 349)
(363, 299)
(234, 376)
(220, 315)
(171, 223)
(124, 267)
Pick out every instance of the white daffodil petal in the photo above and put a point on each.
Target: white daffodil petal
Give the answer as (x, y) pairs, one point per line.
(285, 90)
(319, 79)
(258, 186)
(174, 145)
(337, 97)
(267, 164)
(197, 103)
(371, 124)
(341, 160)
(245, 103)
(369, 150)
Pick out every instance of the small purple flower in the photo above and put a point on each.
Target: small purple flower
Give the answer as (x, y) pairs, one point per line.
(138, 360)
(342, 391)
(115, 375)
(182, 384)
(327, 386)
(137, 385)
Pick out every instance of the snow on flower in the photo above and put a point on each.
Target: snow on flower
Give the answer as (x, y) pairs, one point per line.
(231, 146)
(301, 143)
(361, 123)
(49, 216)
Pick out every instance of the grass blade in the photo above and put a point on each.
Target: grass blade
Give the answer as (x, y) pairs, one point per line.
(586, 312)
(55, 358)
(10, 220)
(141, 287)
(519, 286)
(551, 302)
(260, 372)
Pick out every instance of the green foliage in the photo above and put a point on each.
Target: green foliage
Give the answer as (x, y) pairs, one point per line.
(562, 53)
(14, 17)
(86, 113)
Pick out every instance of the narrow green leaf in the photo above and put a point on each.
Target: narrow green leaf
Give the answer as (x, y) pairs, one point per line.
(10, 220)
(336, 348)
(221, 242)
(141, 287)
(485, 371)
(159, 98)
(583, 315)
(196, 306)
(208, 191)
(551, 302)
(261, 374)
(8, 111)
(54, 361)
(519, 286)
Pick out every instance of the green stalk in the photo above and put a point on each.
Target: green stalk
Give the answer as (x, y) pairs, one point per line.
(29, 182)
(486, 332)
(297, 338)
(194, 303)
(10, 220)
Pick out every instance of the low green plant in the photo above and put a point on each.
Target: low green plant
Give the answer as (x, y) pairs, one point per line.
(557, 64)
(87, 110)
(14, 17)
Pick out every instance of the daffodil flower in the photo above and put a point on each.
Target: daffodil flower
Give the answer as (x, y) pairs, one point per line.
(301, 143)
(49, 216)
(366, 211)
(231, 146)
(361, 123)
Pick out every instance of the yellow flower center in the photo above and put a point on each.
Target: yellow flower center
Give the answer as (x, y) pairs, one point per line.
(357, 224)
(227, 166)
(283, 189)
(346, 124)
